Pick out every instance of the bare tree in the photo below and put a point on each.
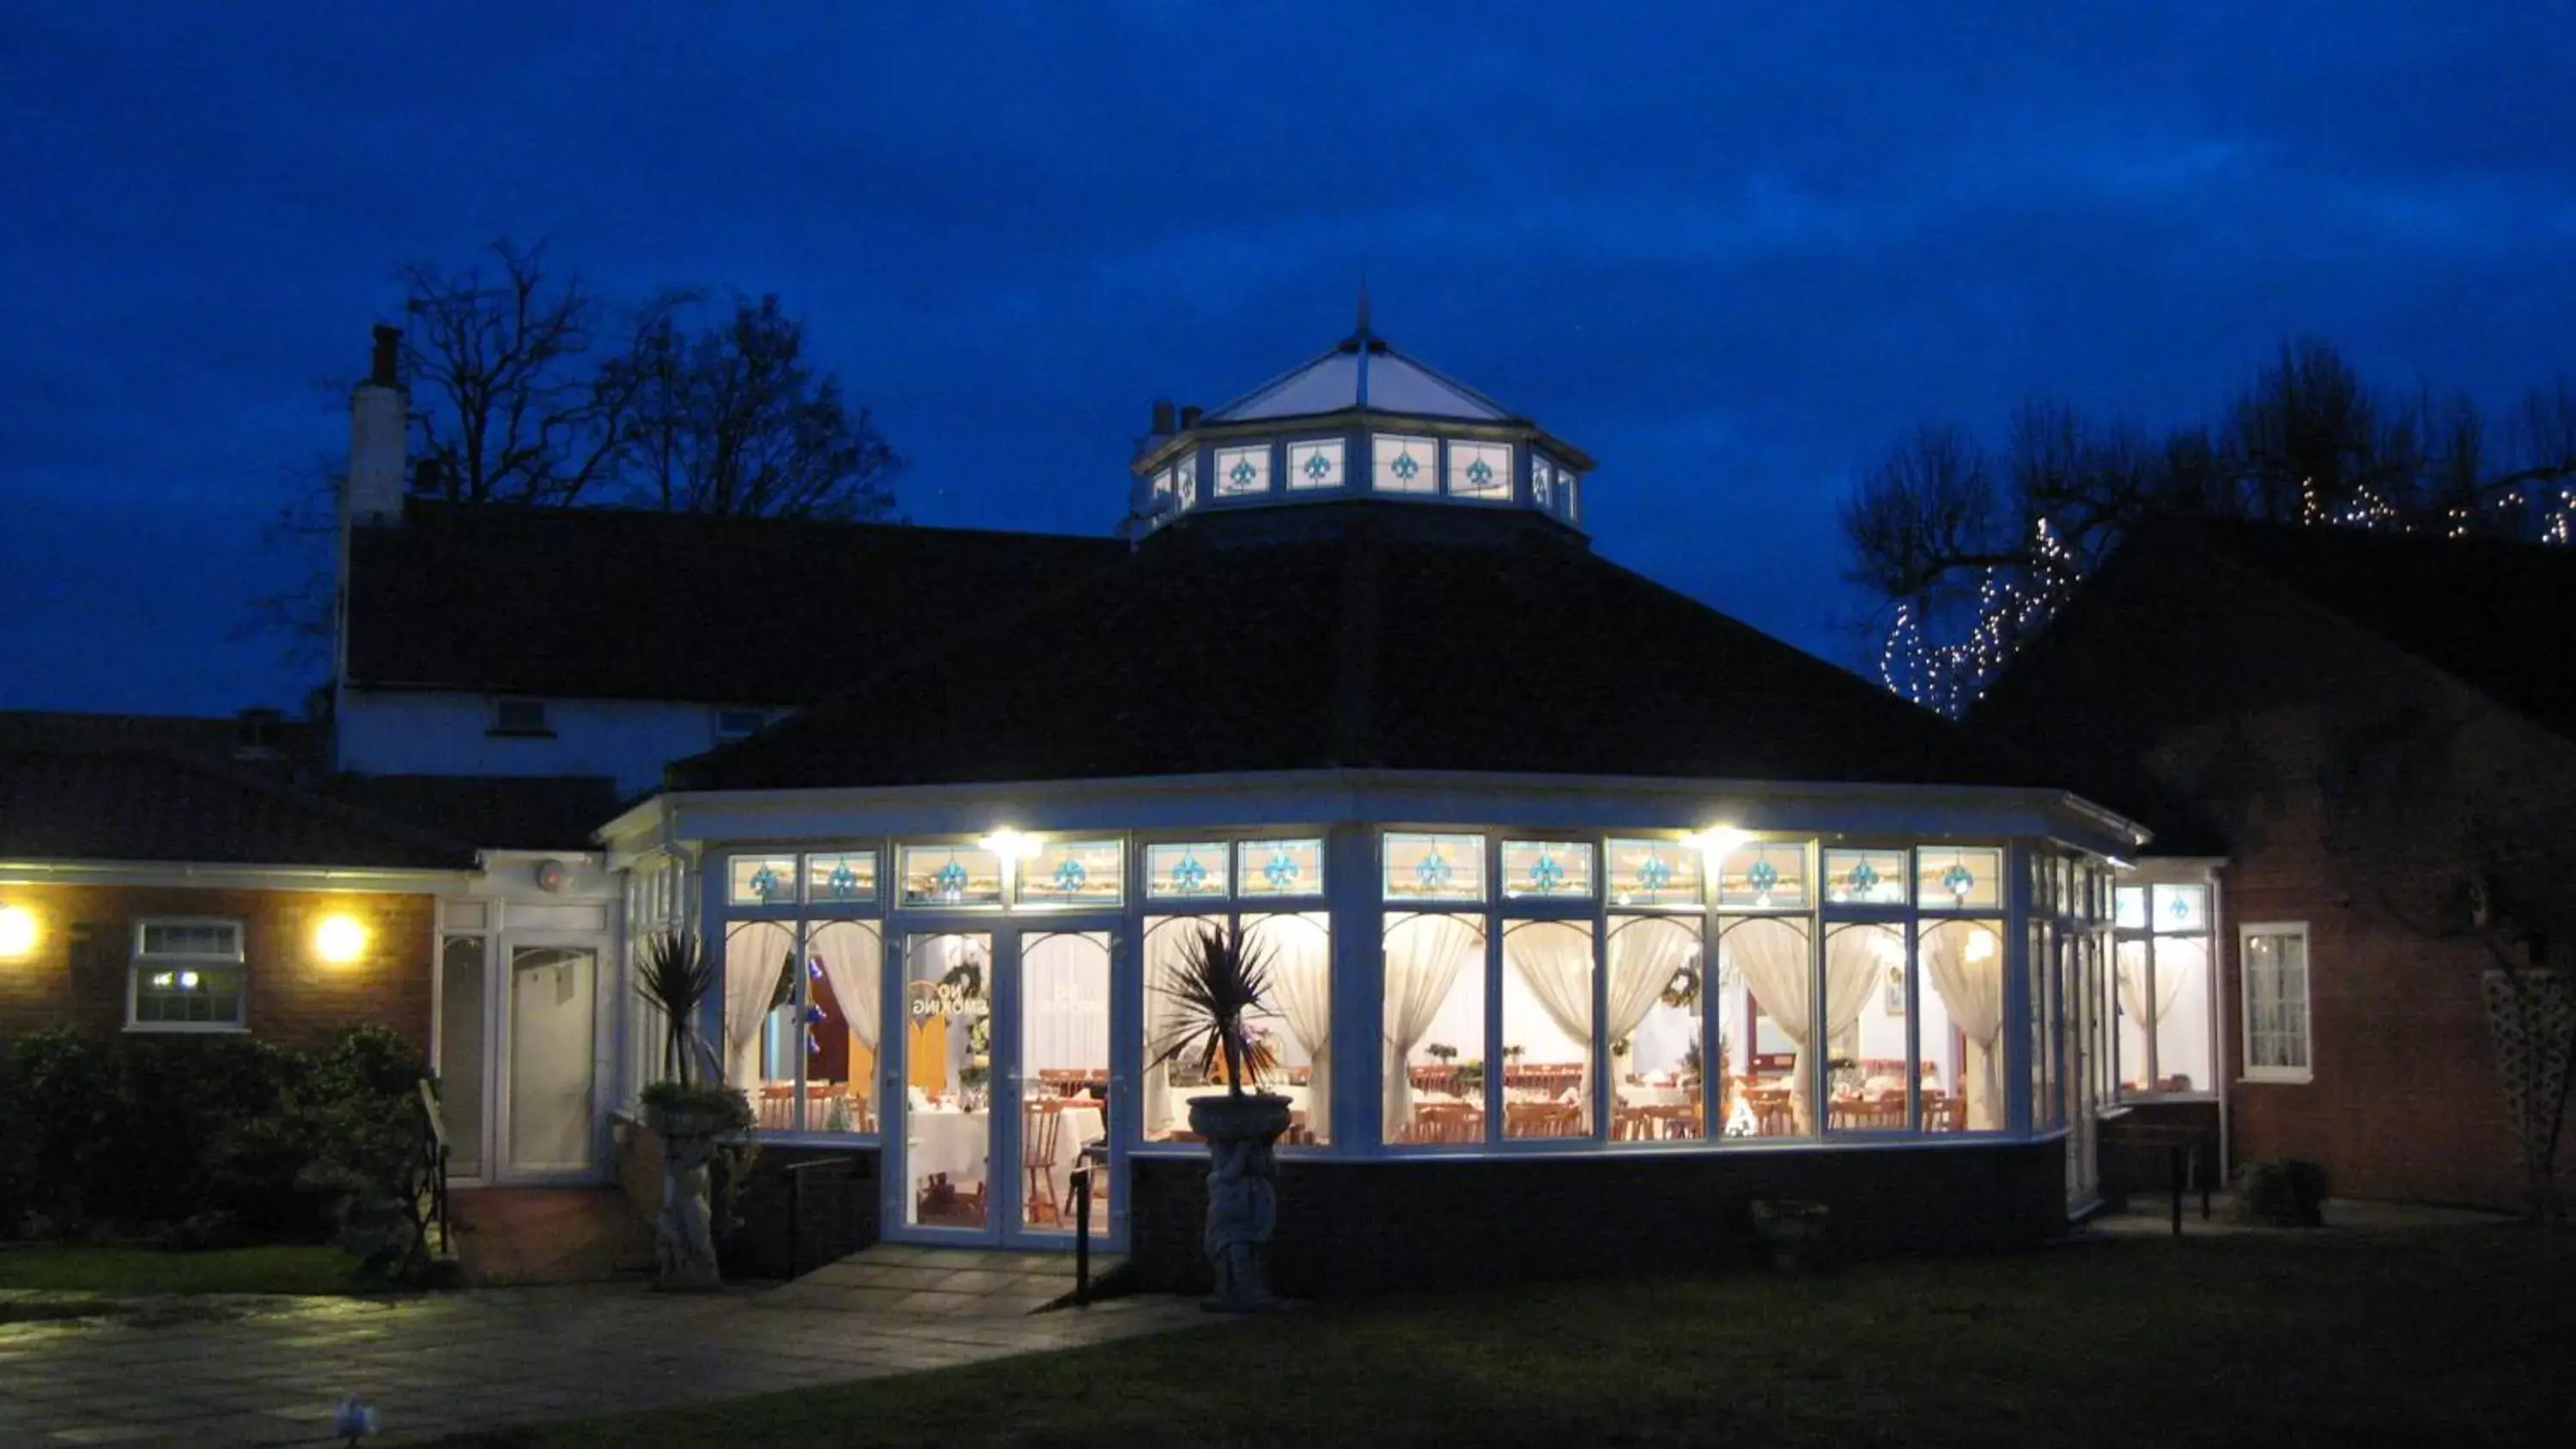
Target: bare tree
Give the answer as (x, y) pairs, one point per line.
(734, 420)
(1967, 553)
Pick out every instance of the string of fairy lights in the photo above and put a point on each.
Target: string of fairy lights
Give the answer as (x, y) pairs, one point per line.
(2015, 600)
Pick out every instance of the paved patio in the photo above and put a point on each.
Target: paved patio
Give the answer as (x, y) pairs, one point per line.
(244, 1369)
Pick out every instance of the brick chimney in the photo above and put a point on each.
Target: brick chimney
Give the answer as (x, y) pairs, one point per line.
(379, 415)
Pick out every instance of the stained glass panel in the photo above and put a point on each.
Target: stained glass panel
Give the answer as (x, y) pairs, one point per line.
(848, 877)
(1764, 875)
(1242, 472)
(1542, 477)
(1434, 867)
(1544, 870)
(1953, 877)
(1186, 871)
(1315, 465)
(2180, 908)
(1865, 877)
(1279, 868)
(1653, 873)
(1406, 465)
(762, 880)
(1074, 873)
(950, 875)
(2131, 911)
(1480, 470)
(1185, 480)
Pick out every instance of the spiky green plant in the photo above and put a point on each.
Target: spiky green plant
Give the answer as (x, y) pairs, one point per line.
(1218, 982)
(676, 975)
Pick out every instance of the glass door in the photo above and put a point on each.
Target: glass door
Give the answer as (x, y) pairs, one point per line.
(940, 1107)
(548, 1128)
(999, 1084)
(1059, 1062)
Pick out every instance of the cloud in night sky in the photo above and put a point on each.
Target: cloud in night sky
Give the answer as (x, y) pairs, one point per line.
(1734, 260)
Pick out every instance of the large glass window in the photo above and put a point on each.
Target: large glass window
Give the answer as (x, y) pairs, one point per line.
(2276, 1003)
(1774, 959)
(1435, 1029)
(2161, 986)
(1293, 1033)
(1865, 1028)
(1547, 1029)
(1655, 1029)
(1958, 1007)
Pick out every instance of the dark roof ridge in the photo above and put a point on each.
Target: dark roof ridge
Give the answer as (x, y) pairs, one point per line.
(462, 855)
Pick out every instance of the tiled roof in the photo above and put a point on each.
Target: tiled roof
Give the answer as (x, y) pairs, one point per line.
(1360, 635)
(495, 812)
(113, 805)
(622, 604)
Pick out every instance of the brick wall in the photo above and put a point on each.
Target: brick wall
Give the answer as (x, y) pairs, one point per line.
(85, 944)
(1349, 1228)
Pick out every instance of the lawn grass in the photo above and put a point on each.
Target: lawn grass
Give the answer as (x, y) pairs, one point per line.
(121, 1271)
(2460, 1337)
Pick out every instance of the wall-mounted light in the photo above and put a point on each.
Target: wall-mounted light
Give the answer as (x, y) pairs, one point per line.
(1716, 840)
(17, 932)
(339, 939)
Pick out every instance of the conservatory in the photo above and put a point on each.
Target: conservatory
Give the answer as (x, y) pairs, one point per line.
(1590, 914)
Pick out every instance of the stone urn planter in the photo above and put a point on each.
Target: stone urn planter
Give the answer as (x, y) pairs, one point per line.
(684, 1235)
(1242, 1133)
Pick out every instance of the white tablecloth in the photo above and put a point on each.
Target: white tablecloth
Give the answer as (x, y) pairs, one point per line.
(1635, 1094)
(944, 1139)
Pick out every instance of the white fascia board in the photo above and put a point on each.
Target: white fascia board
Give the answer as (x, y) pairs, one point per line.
(204, 875)
(1426, 796)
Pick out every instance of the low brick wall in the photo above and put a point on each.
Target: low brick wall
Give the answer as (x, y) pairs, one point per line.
(1348, 1228)
(2136, 1155)
(825, 1211)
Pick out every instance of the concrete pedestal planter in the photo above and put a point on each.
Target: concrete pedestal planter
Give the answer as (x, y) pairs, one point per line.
(684, 1235)
(1242, 1135)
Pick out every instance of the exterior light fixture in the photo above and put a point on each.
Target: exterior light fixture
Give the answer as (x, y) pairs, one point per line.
(339, 939)
(1716, 840)
(17, 932)
(1010, 844)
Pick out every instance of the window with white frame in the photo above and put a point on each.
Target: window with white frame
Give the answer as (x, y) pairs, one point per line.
(187, 975)
(802, 956)
(2275, 960)
(2161, 986)
(1404, 465)
(1242, 472)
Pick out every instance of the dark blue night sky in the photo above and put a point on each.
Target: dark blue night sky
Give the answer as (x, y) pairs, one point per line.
(1734, 258)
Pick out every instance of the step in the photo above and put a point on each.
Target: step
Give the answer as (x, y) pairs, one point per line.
(906, 1278)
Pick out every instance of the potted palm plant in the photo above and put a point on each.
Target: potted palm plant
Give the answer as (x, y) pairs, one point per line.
(686, 1111)
(1216, 985)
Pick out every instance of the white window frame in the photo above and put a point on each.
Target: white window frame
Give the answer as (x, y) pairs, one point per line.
(139, 962)
(2307, 1000)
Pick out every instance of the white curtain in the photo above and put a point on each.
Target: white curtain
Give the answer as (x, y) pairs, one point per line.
(1856, 958)
(1554, 960)
(1424, 955)
(1163, 949)
(1301, 991)
(1772, 959)
(2133, 993)
(755, 953)
(1643, 957)
(1966, 964)
(849, 954)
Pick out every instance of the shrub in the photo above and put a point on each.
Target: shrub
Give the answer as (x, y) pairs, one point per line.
(2285, 1192)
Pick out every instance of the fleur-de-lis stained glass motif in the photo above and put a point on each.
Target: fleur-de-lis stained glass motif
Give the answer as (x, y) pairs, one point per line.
(1432, 871)
(1281, 871)
(1243, 473)
(1654, 873)
(768, 884)
(1958, 880)
(1189, 877)
(843, 882)
(1404, 466)
(1480, 475)
(1318, 467)
(1546, 874)
(1862, 879)
(1763, 876)
(950, 880)
(2180, 910)
(1070, 876)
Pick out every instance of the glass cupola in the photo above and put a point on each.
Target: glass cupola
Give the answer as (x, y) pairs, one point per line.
(1362, 420)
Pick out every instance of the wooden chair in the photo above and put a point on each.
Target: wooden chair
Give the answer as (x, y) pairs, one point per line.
(1771, 1109)
(1040, 1126)
(1542, 1119)
(1447, 1122)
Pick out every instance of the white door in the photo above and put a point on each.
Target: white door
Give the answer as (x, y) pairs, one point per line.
(552, 1005)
